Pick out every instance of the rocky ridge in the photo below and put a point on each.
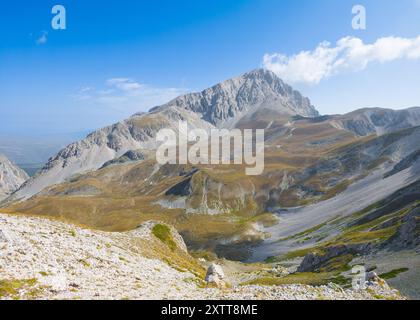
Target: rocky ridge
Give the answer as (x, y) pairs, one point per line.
(43, 259)
(225, 103)
(11, 177)
(378, 121)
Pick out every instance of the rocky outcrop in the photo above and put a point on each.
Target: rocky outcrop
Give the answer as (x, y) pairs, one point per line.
(313, 261)
(378, 121)
(405, 163)
(11, 177)
(225, 103)
(129, 156)
(408, 234)
(215, 276)
(372, 276)
(393, 203)
(362, 158)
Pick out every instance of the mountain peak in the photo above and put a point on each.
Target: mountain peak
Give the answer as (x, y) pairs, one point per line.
(225, 103)
(262, 74)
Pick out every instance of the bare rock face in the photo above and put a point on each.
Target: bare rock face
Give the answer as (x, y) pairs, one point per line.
(11, 177)
(407, 235)
(378, 121)
(215, 276)
(224, 104)
(130, 156)
(313, 261)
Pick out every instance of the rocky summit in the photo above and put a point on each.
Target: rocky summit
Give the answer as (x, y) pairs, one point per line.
(225, 103)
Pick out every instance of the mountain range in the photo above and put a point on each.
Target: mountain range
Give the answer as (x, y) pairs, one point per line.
(336, 189)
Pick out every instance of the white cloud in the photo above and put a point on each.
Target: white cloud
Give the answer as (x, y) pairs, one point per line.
(125, 84)
(126, 93)
(349, 54)
(42, 39)
(86, 89)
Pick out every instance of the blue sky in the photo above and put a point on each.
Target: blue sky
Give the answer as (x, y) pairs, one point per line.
(119, 57)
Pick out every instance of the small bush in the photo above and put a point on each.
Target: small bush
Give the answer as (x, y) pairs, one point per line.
(12, 287)
(393, 274)
(163, 233)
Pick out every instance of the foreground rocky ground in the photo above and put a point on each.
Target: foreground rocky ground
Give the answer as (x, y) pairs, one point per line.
(44, 259)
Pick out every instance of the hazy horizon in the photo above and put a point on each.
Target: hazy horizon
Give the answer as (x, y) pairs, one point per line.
(115, 60)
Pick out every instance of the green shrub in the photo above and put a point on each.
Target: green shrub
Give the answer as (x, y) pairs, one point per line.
(392, 274)
(163, 233)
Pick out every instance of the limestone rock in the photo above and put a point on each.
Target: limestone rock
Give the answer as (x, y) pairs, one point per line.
(11, 177)
(67, 262)
(215, 276)
(313, 261)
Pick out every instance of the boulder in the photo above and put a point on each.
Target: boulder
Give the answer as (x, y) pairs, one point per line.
(56, 282)
(372, 277)
(215, 276)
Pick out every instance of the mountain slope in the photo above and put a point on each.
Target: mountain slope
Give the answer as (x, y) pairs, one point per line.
(335, 188)
(378, 121)
(70, 263)
(106, 144)
(258, 99)
(221, 105)
(323, 180)
(224, 104)
(11, 177)
(368, 167)
(385, 236)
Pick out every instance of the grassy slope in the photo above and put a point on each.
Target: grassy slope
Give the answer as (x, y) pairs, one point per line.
(120, 197)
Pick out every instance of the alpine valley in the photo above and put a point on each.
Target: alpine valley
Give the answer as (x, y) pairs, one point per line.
(337, 191)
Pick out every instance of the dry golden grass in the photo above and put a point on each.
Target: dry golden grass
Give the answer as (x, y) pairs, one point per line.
(120, 197)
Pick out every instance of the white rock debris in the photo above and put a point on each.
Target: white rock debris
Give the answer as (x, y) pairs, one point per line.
(66, 262)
